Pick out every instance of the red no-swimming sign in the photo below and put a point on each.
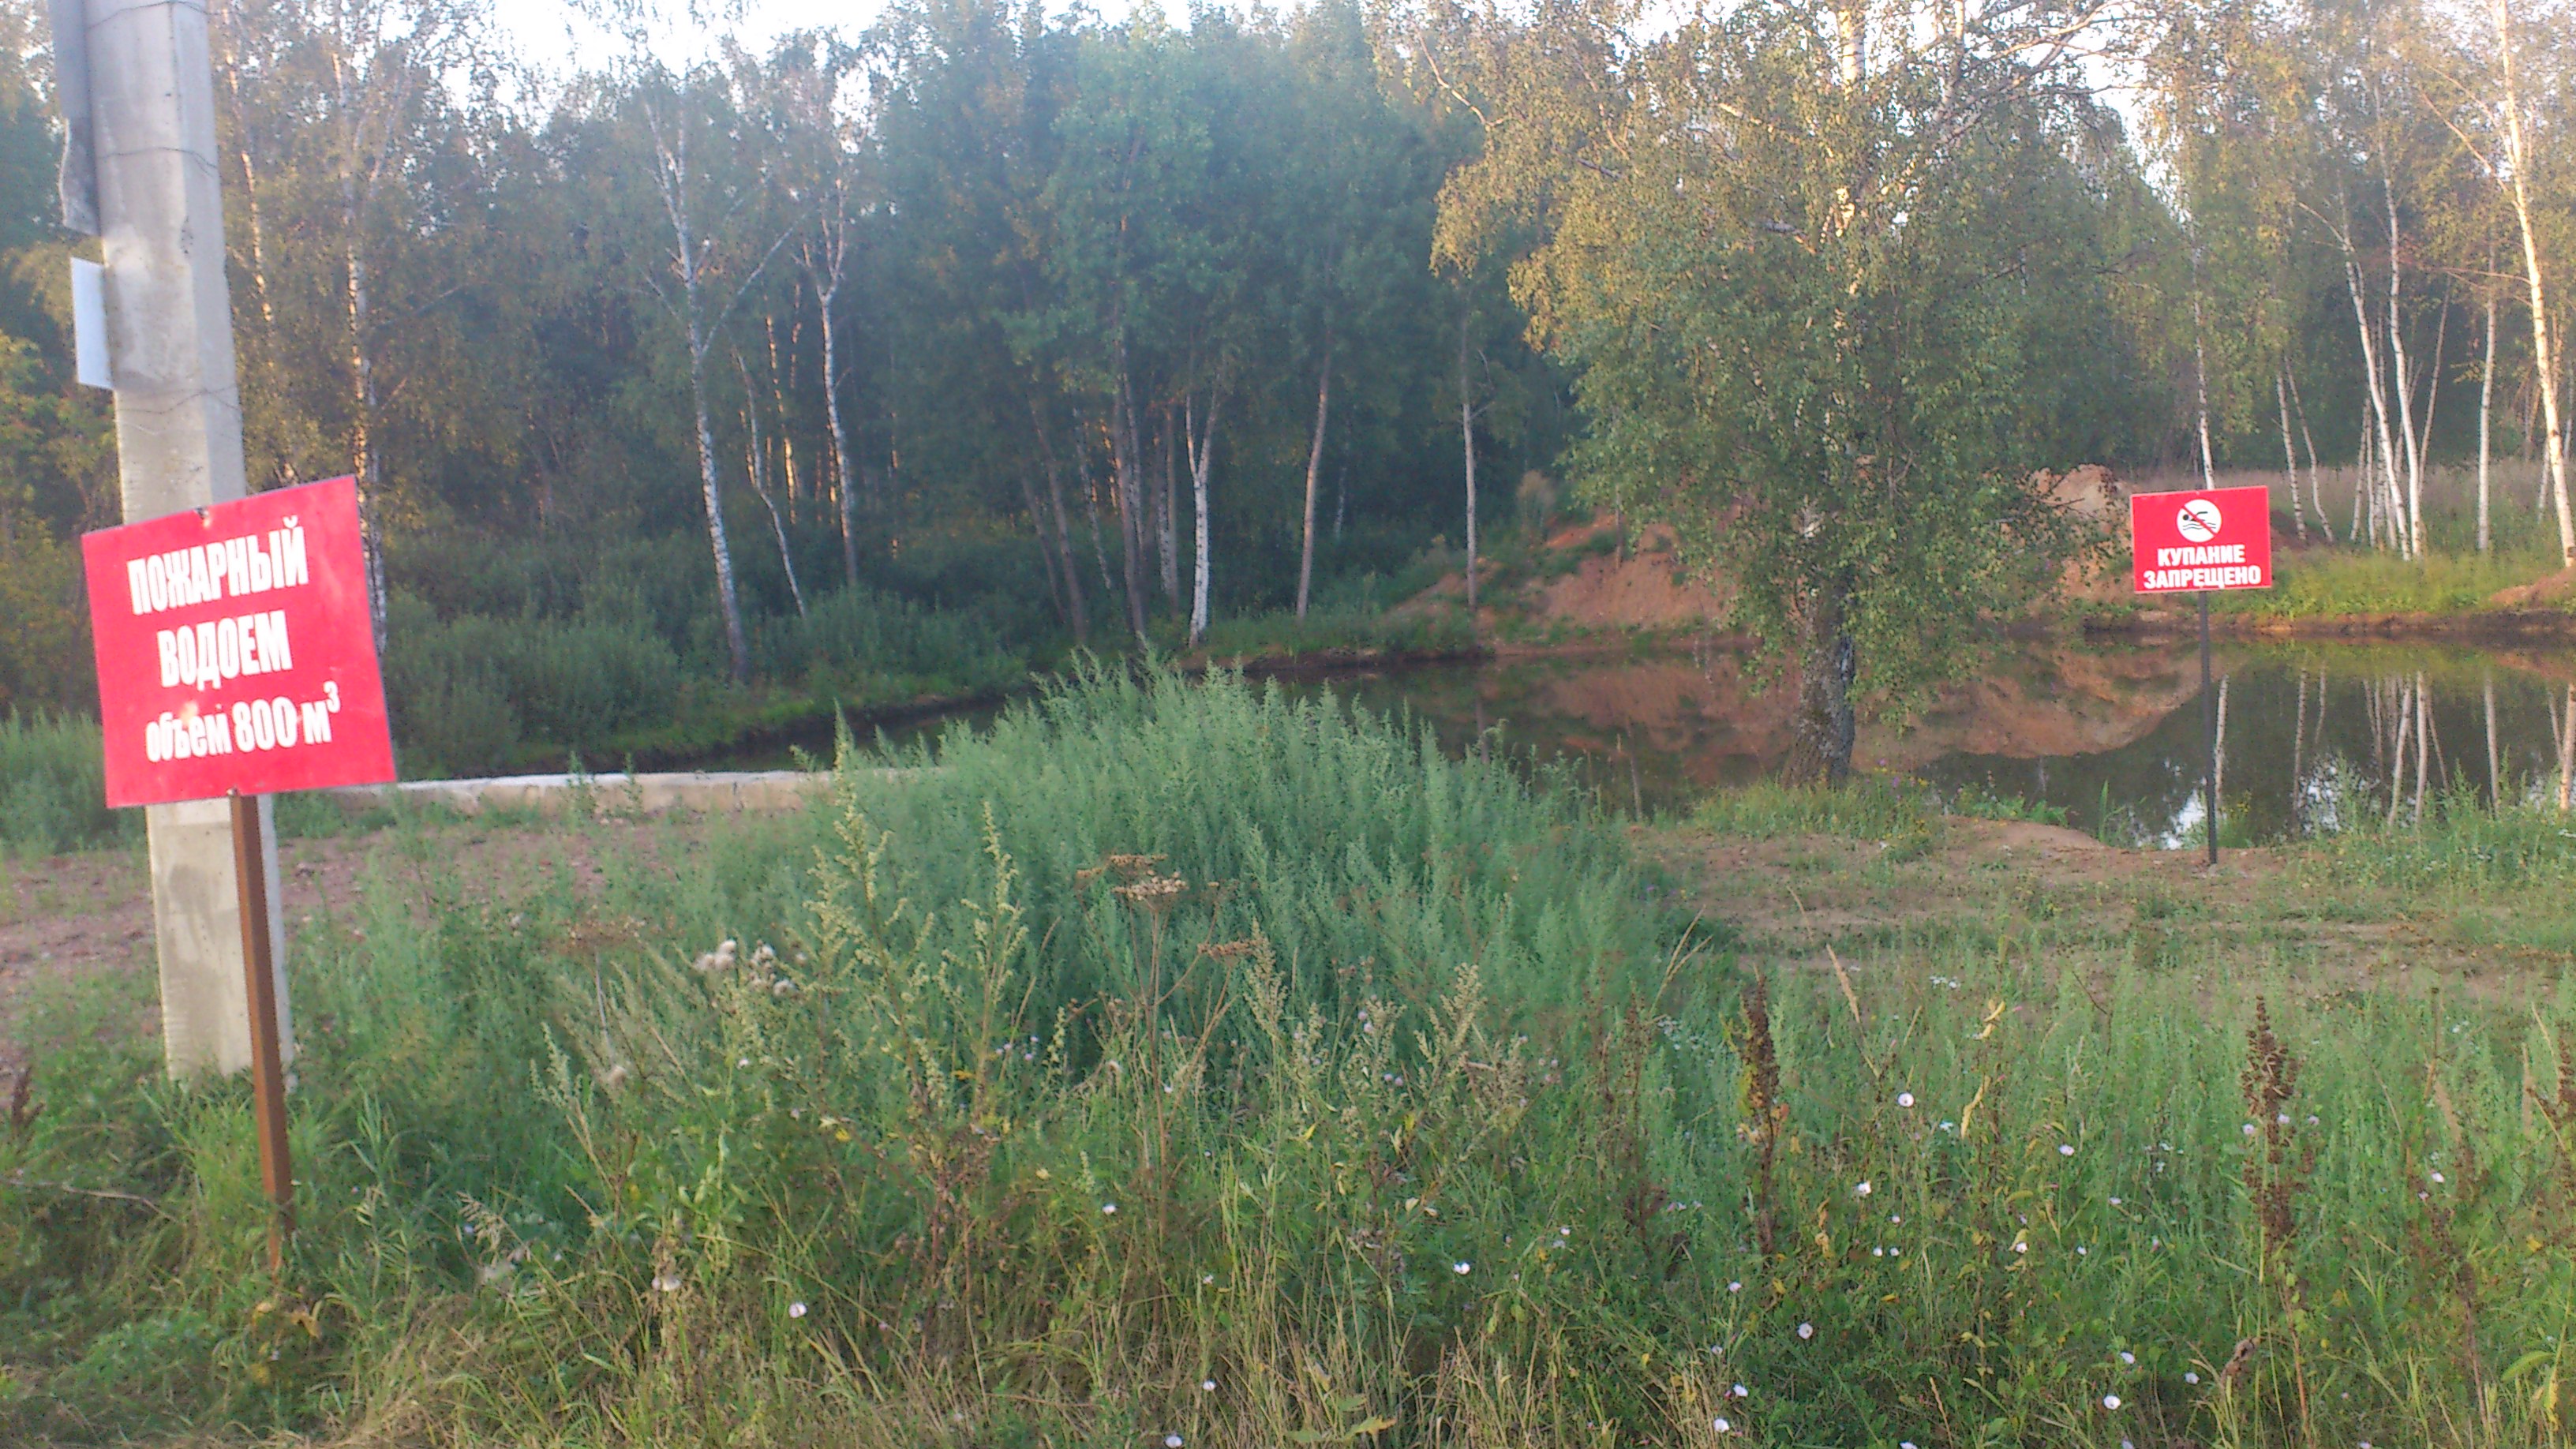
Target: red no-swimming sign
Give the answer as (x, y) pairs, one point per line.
(2211, 538)
(235, 649)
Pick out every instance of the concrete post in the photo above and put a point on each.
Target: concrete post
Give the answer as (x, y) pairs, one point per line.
(179, 446)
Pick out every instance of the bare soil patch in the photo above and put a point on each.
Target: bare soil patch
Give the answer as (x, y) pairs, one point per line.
(1801, 901)
(74, 915)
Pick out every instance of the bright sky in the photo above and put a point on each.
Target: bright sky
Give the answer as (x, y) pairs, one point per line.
(551, 34)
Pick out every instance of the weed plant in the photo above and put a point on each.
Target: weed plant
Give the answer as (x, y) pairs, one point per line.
(1355, 629)
(53, 787)
(1196, 1065)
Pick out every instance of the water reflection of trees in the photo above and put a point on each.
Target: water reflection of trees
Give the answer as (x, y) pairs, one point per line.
(2412, 751)
(2311, 748)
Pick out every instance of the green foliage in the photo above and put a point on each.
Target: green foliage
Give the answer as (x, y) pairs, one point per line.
(1812, 316)
(464, 690)
(1979, 802)
(1874, 808)
(882, 646)
(53, 787)
(1189, 1061)
(2327, 583)
(1358, 630)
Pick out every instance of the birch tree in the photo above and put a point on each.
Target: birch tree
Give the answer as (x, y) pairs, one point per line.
(718, 237)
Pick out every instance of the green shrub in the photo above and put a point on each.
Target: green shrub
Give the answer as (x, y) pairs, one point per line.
(864, 638)
(1202, 1063)
(53, 787)
(464, 691)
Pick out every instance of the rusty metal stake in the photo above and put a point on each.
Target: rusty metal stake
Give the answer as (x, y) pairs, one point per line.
(267, 1059)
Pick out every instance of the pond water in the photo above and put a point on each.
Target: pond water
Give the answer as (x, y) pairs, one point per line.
(2314, 736)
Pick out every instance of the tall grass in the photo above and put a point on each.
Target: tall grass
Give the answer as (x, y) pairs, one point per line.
(53, 787)
(1191, 1064)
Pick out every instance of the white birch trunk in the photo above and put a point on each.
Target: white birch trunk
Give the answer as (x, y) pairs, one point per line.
(1202, 457)
(2410, 501)
(2544, 360)
(1467, 440)
(2290, 456)
(1314, 470)
(2486, 451)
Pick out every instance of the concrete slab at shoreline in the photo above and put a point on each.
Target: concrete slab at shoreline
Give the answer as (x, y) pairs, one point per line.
(646, 793)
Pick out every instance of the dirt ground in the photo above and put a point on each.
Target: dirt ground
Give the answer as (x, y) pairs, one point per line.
(1790, 898)
(72, 915)
(1876, 905)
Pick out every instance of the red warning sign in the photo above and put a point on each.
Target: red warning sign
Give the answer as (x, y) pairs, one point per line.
(235, 650)
(2212, 538)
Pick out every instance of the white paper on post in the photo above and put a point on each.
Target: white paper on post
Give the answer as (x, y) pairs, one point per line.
(89, 324)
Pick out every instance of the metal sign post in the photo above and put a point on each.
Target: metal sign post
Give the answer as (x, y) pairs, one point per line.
(2208, 732)
(267, 1056)
(2200, 542)
(236, 659)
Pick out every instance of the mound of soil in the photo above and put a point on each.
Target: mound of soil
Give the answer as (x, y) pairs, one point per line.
(1649, 586)
(2556, 591)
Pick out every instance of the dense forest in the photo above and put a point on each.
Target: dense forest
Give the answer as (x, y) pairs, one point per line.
(890, 362)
